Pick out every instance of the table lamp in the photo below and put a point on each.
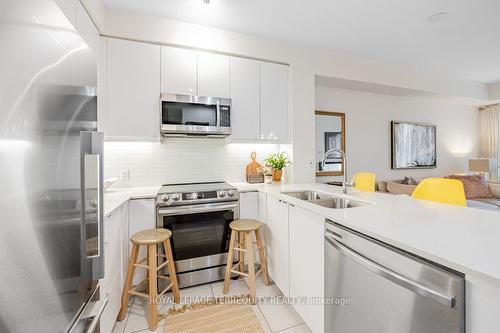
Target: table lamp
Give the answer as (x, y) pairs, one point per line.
(485, 166)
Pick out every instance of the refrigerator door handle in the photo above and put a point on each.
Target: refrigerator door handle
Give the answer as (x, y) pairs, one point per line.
(91, 188)
(92, 198)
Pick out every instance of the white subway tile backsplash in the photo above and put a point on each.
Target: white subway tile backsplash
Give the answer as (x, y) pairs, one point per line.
(179, 161)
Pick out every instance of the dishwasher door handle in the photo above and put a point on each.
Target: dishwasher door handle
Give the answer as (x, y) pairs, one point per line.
(388, 274)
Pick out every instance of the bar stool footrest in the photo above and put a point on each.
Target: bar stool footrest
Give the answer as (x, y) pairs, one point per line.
(239, 273)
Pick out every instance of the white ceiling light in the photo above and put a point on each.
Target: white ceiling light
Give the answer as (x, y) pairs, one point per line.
(439, 16)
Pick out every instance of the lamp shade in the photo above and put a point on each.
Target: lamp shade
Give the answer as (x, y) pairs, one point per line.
(480, 164)
(486, 166)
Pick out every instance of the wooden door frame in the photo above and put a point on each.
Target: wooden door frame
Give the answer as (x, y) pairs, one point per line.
(342, 144)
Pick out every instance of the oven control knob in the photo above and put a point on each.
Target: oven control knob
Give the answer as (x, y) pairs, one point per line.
(164, 197)
(231, 193)
(221, 194)
(176, 196)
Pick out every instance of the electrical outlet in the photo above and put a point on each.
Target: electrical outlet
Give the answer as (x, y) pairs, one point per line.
(124, 174)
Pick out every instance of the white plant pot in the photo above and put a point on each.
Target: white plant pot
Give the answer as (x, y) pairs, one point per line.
(268, 179)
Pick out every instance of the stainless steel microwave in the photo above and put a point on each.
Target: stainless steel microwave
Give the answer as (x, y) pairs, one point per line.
(195, 116)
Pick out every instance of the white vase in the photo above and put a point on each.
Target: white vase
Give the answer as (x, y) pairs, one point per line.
(268, 179)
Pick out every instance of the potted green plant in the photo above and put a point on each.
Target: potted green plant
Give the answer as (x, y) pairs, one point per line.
(277, 161)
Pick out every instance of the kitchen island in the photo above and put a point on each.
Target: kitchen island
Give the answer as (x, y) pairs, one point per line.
(463, 239)
(460, 238)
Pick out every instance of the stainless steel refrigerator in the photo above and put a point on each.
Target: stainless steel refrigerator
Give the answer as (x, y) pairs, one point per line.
(51, 244)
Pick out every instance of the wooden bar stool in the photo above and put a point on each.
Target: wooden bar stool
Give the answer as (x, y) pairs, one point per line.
(243, 229)
(150, 238)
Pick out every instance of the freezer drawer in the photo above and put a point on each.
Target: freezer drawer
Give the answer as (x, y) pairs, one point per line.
(388, 290)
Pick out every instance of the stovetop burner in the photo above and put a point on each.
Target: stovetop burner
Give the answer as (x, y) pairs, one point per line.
(196, 193)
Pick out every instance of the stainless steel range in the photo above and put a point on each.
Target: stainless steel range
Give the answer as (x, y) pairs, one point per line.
(198, 215)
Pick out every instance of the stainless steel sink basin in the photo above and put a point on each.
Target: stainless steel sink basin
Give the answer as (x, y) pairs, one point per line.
(325, 200)
(305, 195)
(337, 203)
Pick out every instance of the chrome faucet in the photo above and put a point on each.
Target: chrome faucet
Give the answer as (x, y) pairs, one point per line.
(346, 183)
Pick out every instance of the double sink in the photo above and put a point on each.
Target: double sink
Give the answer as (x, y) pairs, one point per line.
(325, 200)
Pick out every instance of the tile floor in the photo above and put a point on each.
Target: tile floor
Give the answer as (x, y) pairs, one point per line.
(273, 317)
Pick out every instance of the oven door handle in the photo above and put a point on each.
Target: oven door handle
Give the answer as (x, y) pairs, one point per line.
(195, 209)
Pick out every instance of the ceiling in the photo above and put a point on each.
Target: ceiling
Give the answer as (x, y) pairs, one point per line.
(465, 44)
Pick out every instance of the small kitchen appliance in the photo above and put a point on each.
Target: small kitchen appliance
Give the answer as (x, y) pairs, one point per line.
(195, 116)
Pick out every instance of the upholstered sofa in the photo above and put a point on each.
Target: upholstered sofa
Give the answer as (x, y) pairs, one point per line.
(397, 187)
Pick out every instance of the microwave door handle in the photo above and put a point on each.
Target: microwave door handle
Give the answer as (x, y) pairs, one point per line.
(390, 275)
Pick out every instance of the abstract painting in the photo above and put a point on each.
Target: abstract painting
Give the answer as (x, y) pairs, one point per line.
(413, 145)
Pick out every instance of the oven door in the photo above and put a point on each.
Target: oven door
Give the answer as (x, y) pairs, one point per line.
(200, 233)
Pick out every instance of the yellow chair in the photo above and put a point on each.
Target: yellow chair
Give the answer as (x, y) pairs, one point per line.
(364, 181)
(443, 190)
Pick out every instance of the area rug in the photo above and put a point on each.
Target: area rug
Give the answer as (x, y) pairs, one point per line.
(221, 315)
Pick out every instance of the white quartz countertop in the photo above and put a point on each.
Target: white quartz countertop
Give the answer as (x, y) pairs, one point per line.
(114, 198)
(464, 239)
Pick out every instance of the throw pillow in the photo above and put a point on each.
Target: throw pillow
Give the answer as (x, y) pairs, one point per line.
(412, 181)
(397, 188)
(475, 186)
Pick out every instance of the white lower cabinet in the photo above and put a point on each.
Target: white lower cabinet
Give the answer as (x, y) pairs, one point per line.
(125, 241)
(295, 252)
(307, 265)
(112, 283)
(278, 249)
(119, 225)
(249, 205)
(112, 248)
(108, 317)
(262, 197)
(141, 217)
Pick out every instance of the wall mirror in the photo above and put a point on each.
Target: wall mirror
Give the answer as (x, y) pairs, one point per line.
(330, 134)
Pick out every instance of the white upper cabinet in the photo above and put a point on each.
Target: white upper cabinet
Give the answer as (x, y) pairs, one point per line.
(245, 99)
(213, 75)
(274, 102)
(178, 71)
(133, 90)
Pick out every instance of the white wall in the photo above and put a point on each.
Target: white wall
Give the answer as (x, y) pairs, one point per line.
(305, 63)
(495, 91)
(177, 161)
(368, 139)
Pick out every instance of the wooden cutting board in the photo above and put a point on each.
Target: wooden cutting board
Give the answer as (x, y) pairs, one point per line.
(254, 166)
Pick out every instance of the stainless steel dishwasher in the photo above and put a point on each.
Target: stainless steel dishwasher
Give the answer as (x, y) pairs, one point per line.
(377, 288)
